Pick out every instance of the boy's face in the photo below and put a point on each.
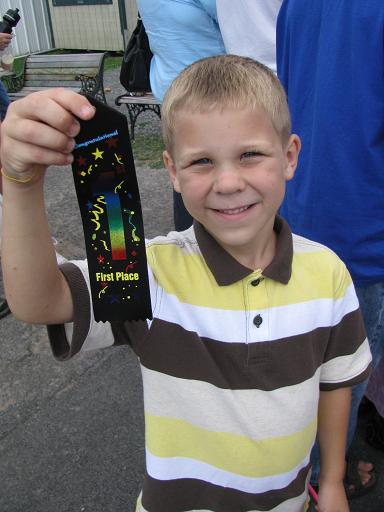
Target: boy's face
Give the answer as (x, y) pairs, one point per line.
(231, 167)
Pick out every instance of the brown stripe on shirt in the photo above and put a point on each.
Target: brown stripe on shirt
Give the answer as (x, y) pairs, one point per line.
(193, 494)
(268, 365)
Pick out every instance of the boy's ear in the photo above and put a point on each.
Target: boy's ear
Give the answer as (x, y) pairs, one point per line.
(169, 164)
(292, 154)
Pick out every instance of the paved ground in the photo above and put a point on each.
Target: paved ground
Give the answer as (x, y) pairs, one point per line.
(71, 435)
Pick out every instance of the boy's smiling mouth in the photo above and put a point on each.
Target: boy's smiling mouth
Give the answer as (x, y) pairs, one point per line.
(234, 211)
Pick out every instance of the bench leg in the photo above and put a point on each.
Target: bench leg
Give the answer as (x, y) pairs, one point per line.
(134, 110)
(133, 114)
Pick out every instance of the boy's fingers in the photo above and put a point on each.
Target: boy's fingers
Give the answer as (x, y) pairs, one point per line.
(39, 129)
(55, 107)
(40, 134)
(74, 102)
(29, 154)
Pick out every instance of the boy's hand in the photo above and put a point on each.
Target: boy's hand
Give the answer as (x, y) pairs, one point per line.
(39, 131)
(332, 498)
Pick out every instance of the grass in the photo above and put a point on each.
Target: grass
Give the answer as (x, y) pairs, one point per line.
(112, 62)
(148, 150)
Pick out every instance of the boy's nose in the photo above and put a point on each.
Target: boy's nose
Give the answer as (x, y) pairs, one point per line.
(228, 180)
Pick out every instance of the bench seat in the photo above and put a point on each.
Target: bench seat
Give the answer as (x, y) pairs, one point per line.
(79, 72)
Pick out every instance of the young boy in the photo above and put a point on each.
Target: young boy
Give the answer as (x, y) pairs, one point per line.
(251, 323)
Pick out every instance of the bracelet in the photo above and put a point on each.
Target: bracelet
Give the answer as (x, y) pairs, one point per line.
(18, 180)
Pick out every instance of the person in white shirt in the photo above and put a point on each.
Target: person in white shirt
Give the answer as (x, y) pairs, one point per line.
(248, 28)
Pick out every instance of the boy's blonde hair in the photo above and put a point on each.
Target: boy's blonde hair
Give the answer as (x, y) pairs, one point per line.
(226, 81)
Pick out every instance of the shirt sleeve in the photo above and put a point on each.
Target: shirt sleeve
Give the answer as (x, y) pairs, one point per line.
(347, 359)
(84, 333)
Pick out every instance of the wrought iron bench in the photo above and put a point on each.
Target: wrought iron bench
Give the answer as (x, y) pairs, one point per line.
(136, 104)
(80, 72)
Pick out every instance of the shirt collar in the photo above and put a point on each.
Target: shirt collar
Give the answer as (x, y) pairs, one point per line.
(227, 270)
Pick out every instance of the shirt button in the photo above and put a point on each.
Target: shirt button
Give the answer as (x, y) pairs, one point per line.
(255, 282)
(258, 320)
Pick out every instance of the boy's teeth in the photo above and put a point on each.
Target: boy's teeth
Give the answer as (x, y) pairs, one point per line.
(234, 211)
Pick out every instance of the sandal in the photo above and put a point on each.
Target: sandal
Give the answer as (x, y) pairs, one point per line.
(4, 309)
(375, 431)
(354, 487)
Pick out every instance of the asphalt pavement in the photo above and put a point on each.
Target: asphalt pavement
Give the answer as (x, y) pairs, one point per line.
(71, 434)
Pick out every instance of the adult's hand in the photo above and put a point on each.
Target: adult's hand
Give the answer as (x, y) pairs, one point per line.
(5, 39)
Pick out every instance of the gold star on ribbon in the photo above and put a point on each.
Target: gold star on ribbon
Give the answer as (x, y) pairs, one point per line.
(98, 154)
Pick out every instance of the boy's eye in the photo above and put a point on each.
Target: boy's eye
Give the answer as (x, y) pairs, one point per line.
(201, 161)
(250, 154)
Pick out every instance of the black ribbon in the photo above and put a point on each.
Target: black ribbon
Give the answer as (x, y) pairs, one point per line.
(109, 201)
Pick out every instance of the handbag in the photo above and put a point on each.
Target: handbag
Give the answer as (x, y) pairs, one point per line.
(134, 72)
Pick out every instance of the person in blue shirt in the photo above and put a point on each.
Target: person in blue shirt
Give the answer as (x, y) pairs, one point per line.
(5, 41)
(179, 32)
(330, 59)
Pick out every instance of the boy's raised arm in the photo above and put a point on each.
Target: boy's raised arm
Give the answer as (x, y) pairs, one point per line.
(37, 132)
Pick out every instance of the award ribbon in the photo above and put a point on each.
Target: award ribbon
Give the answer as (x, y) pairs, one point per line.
(109, 202)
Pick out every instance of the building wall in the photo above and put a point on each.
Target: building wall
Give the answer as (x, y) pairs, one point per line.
(92, 27)
(82, 27)
(32, 33)
(131, 12)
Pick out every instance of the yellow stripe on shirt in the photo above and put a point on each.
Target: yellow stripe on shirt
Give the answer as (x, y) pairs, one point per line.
(168, 437)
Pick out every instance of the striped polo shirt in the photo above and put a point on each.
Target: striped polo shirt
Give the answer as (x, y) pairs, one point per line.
(232, 364)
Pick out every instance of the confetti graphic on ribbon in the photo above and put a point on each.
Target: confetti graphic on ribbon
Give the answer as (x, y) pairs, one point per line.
(109, 201)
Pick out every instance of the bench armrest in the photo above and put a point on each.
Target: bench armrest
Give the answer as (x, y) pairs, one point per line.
(13, 83)
(92, 85)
